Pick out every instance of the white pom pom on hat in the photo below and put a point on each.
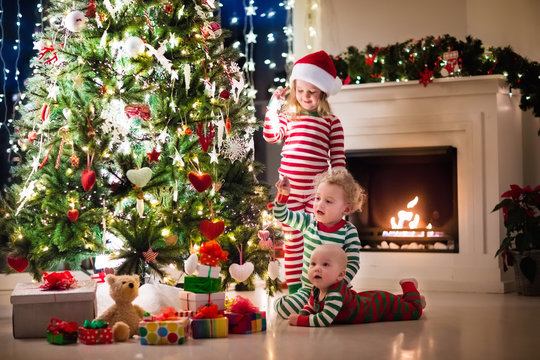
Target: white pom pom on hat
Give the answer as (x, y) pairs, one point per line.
(317, 68)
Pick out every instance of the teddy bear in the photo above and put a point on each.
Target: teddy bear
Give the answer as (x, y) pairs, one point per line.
(123, 316)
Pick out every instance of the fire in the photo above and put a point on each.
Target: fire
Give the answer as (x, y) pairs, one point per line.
(411, 220)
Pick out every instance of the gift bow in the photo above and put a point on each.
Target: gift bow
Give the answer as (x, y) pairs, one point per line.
(209, 311)
(95, 324)
(57, 281)
(241, 305)
(61, 327)
(168, 313)
(212, 248)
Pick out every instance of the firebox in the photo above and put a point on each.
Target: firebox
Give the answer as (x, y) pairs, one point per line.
(412, 199)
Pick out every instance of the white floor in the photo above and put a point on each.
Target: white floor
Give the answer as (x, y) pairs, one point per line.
(454, 326)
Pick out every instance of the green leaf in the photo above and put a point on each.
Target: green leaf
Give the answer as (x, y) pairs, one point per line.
(159, 244)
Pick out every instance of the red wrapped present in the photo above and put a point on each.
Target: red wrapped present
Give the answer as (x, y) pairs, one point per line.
(211, 253)
(61, 332)
(209, 322)
(95, 332)
(244, 318)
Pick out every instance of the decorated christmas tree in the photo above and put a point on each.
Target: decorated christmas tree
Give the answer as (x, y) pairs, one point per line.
(134, 129)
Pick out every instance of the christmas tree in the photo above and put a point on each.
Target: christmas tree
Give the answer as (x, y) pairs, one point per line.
(134, 127)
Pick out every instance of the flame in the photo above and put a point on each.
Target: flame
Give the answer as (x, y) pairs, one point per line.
(409, 218)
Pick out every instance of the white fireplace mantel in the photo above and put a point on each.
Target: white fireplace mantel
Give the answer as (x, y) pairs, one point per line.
(478, 116)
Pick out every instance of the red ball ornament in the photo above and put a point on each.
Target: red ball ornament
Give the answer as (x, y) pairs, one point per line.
(73, 215)
(201, 182)
(224, 94)
(88, 179)
(18, 264)
(211, 30)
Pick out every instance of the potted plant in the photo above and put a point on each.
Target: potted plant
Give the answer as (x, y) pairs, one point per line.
(521, 245)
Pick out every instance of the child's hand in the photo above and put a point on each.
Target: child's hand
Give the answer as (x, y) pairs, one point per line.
(279, 94)
(293, 319)
(284, 186)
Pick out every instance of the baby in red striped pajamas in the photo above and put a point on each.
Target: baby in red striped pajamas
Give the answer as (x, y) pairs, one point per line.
(313, 143)
(331, 301)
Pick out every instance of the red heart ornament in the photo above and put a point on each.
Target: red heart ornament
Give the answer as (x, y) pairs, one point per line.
(200, 182)
(73, 214)
(18, 264)
(88, 179)
(211, 230)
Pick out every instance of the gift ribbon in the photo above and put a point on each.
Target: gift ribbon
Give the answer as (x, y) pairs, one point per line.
(57, 281)
(95, 324)
(168, 313)
(61, 327)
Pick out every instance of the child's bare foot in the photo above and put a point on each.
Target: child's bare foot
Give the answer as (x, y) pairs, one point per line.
(423, 300)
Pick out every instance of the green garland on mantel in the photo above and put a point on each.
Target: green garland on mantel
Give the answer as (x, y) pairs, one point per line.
(424, 60)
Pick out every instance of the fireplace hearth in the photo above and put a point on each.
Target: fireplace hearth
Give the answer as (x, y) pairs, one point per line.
(412, 198)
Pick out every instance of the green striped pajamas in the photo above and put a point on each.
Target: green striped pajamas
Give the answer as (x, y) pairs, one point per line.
(344, 233)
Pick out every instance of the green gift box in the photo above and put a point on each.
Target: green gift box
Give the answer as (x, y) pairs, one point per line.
(61, 339)
(202, 285)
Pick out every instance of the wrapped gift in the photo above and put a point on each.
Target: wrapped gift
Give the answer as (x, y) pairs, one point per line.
(244, 317)
(246, 323)
(209, 260)
(191, 301)
(164, 329)
(95, 332)
(208, 271)
(186, 313)
(33, 307)
(202, 285)
(61, 332)
(209, 322)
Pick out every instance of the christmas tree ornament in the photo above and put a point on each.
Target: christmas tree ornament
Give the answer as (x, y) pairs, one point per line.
(264, 239)
(224, 94)
(18, 264)
(150, 255)
(45, 112)
(190, 264)
(91, 9)
(201, 182)
(426, 77)
(139, 177)
(273, 269)
(78, 81)
(74, 160)
(75, 21)
(211, 30)
(228, 125)
(241, 272)
(133, 46)
(153, 156)
(205, 140)
(451, 66)
(237, 87)
(168, 8)
(88, 179)
(171, 240)
(211, 229)
(32, 136)
(141, 111)
(73, 215)
(210, 4)
(140, 206)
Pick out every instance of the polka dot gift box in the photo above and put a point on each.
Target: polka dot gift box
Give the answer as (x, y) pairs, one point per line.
(162, 332)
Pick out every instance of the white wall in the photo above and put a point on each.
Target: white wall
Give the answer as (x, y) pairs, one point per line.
(342, 23)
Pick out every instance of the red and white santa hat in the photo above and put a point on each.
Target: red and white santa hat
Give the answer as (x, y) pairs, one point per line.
(318, 69)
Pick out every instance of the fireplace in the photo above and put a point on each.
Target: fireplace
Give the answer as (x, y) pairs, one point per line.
(412, 198)
(475, 119)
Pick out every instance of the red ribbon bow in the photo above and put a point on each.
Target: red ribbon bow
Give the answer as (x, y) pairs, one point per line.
(61, 327)
(212, 248)
(57, 281)
(168, 313)
(242, 305)
(209, 311)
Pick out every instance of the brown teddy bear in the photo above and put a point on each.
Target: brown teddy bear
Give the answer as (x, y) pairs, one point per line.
(123, 316)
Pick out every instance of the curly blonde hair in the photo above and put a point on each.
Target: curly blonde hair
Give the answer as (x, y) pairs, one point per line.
(293, 107)
(355, 194)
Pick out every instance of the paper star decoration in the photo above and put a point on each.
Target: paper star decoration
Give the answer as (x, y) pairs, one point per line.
(78, 81)
(153, 156)
(53, 91)
(213, 156)
(150, 255)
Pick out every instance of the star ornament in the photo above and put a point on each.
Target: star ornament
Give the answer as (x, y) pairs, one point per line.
(426, 77)
(153, 156)
(150, 255)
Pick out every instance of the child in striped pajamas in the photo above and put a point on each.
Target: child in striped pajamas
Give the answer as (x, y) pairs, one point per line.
(337, 195)
(314, 142)
(331, 301)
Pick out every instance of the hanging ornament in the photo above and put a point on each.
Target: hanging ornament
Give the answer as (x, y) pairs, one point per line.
(451, 58)
(241, 272)
(139, 177)
(201, 182)
(211, 30)
(91, 9)
(18, 264)
(224, 94)
(141, 111)
(237, 87)
(168, 8)
(264, 241)
(45, 112)
(74, 160)
(88, 177)
(133, 46)
(140, 206)
(171, 240)
(228, 125)
(209, 4)
(211, 229)
(48, 49)
(150, 255)
(73, 215)
(153, 156)
(426, 77)
(187, 75)
(205, 140)
(273, 269)
(190, 264)
(32, 136)
(75, 21)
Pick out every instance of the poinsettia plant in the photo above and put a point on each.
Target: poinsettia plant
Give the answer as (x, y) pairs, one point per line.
(521, 210)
